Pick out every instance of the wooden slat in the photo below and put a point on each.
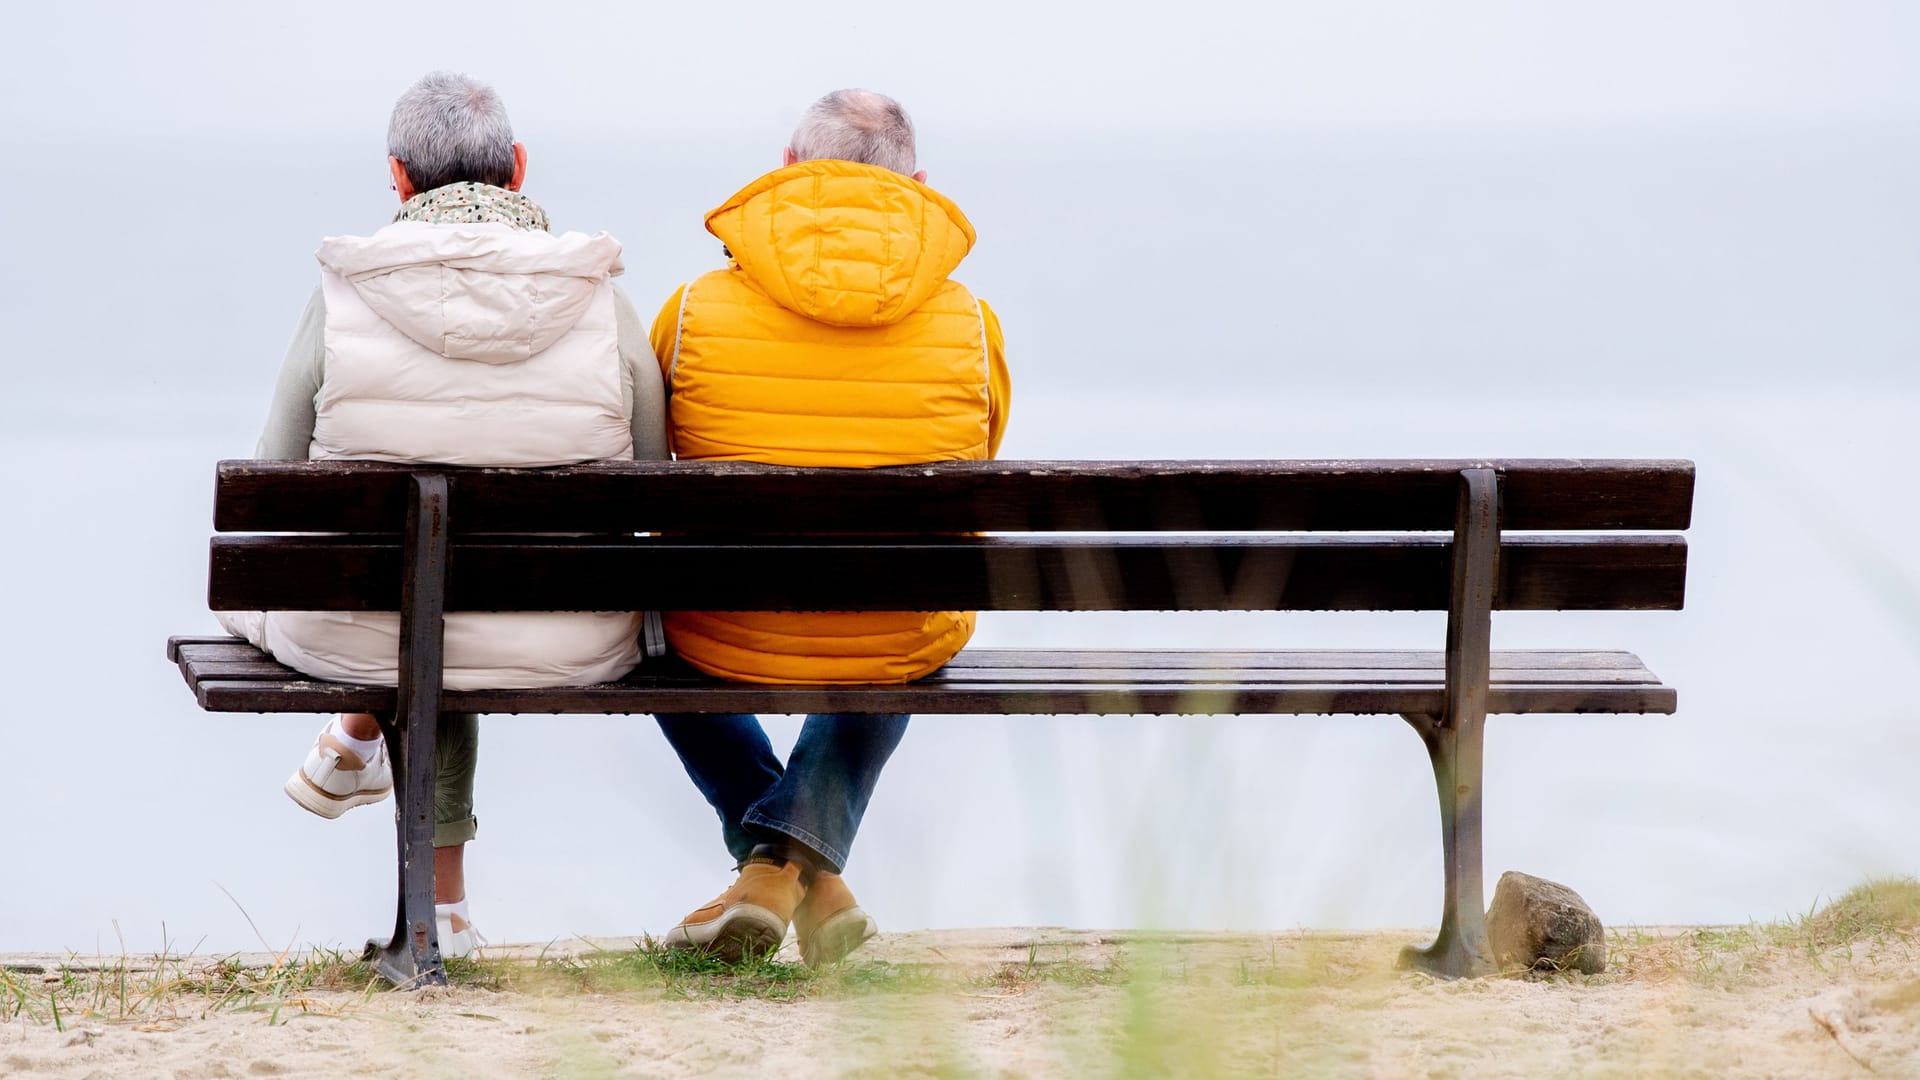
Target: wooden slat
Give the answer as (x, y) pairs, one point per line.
(237, 660)
(237, 669)
(1217, 573)
(985, 658)
(986, 496)
(1273, 676)
(175, 643)
(994, 682)
(215, 650)
(1145, 669)
(263, 696)
(1425, 659)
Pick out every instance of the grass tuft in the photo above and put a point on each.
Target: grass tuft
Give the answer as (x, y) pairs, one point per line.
(1877, 920)
(1881, 909)
(686, 975)
(167, 989)
(1065, 970)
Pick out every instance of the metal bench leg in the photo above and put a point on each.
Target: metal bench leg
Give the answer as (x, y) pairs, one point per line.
(412, 958)
(1460, 950)
(1454, 740)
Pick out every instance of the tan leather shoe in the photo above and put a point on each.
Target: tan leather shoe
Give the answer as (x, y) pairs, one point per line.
(829, 922)
(750, 918)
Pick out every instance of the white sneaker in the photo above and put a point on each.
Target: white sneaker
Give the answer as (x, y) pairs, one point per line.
(458, 938)
(334, 779)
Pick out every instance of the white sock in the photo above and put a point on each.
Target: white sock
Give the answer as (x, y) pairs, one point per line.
(458, 907)
(366, 748)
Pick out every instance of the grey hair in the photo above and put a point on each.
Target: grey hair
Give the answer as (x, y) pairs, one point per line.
(448, 128)
(856, 125)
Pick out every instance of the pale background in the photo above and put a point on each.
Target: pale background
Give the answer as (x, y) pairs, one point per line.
(1278, 230)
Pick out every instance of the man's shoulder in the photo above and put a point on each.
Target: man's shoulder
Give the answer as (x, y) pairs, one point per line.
(952, 294)
(732, 285)
(728, 274)
(725, 285)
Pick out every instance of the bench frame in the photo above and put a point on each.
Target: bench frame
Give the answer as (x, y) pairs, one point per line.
(1454, 736)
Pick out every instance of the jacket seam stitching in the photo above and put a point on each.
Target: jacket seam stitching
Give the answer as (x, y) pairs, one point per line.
(986, 364)
(679, 327)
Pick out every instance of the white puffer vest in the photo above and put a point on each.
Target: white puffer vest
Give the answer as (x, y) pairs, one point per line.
(470, 344)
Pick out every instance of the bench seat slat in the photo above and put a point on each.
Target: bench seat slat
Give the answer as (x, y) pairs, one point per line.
(232, 676)
(1148, 672)
(1551, 665)
(1189, 659)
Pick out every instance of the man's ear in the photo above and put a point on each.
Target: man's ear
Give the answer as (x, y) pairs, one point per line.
(402, 183)
(519, 167)
(786, 156)
(921, 176)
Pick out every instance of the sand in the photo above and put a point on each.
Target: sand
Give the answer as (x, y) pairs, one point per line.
(1045, 1002)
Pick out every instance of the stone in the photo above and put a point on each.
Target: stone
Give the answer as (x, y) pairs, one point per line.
(1543, 925)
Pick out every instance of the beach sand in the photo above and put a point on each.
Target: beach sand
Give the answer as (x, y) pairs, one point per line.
(1683, 1002)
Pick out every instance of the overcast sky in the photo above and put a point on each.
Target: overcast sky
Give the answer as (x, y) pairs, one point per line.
(245, 66)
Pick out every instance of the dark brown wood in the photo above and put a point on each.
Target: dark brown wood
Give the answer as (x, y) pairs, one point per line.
(234, 650)
(213, 654)
(1218, 573)
(1276, 676)
(985, 496)
(184, 650)
(241, 696)
(411, 958)
(1000, 682)
(1241, 660)
(175, 643)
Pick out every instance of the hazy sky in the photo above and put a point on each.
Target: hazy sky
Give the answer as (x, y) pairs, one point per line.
(301, 68)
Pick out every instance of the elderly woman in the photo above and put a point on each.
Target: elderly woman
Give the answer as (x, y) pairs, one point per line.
(463, 333)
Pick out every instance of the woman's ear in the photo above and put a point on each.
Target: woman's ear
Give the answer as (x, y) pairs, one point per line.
(401, 182)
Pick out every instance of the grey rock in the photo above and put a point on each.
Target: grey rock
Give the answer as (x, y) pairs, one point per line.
(1543, 925)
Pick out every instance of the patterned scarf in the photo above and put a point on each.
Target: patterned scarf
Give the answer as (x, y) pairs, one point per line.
(468, 201)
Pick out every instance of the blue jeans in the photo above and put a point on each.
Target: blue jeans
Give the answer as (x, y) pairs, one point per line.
(818, 797)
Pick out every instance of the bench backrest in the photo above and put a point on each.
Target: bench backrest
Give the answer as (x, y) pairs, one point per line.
(1068, 536)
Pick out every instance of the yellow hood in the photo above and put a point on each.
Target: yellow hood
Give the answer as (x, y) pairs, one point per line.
(843, 243)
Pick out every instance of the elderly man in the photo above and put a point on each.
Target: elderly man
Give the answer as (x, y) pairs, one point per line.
(834, 337)
(462, 334)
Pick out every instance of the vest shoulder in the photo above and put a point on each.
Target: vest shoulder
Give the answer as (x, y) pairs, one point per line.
(952, 293)
(733, 285)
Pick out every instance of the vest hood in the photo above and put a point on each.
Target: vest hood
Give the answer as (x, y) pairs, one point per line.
(486, 292)
(843, 243)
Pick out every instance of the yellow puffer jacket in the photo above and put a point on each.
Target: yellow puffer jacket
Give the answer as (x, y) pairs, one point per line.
(834, 338)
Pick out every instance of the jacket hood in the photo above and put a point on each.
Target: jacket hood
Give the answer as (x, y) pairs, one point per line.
(843, 243)
(485, 292)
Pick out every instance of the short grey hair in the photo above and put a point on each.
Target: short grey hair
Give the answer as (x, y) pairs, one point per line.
(857, 125)
(448, 128)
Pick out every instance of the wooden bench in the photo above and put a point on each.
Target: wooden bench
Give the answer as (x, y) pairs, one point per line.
(1465, 537)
